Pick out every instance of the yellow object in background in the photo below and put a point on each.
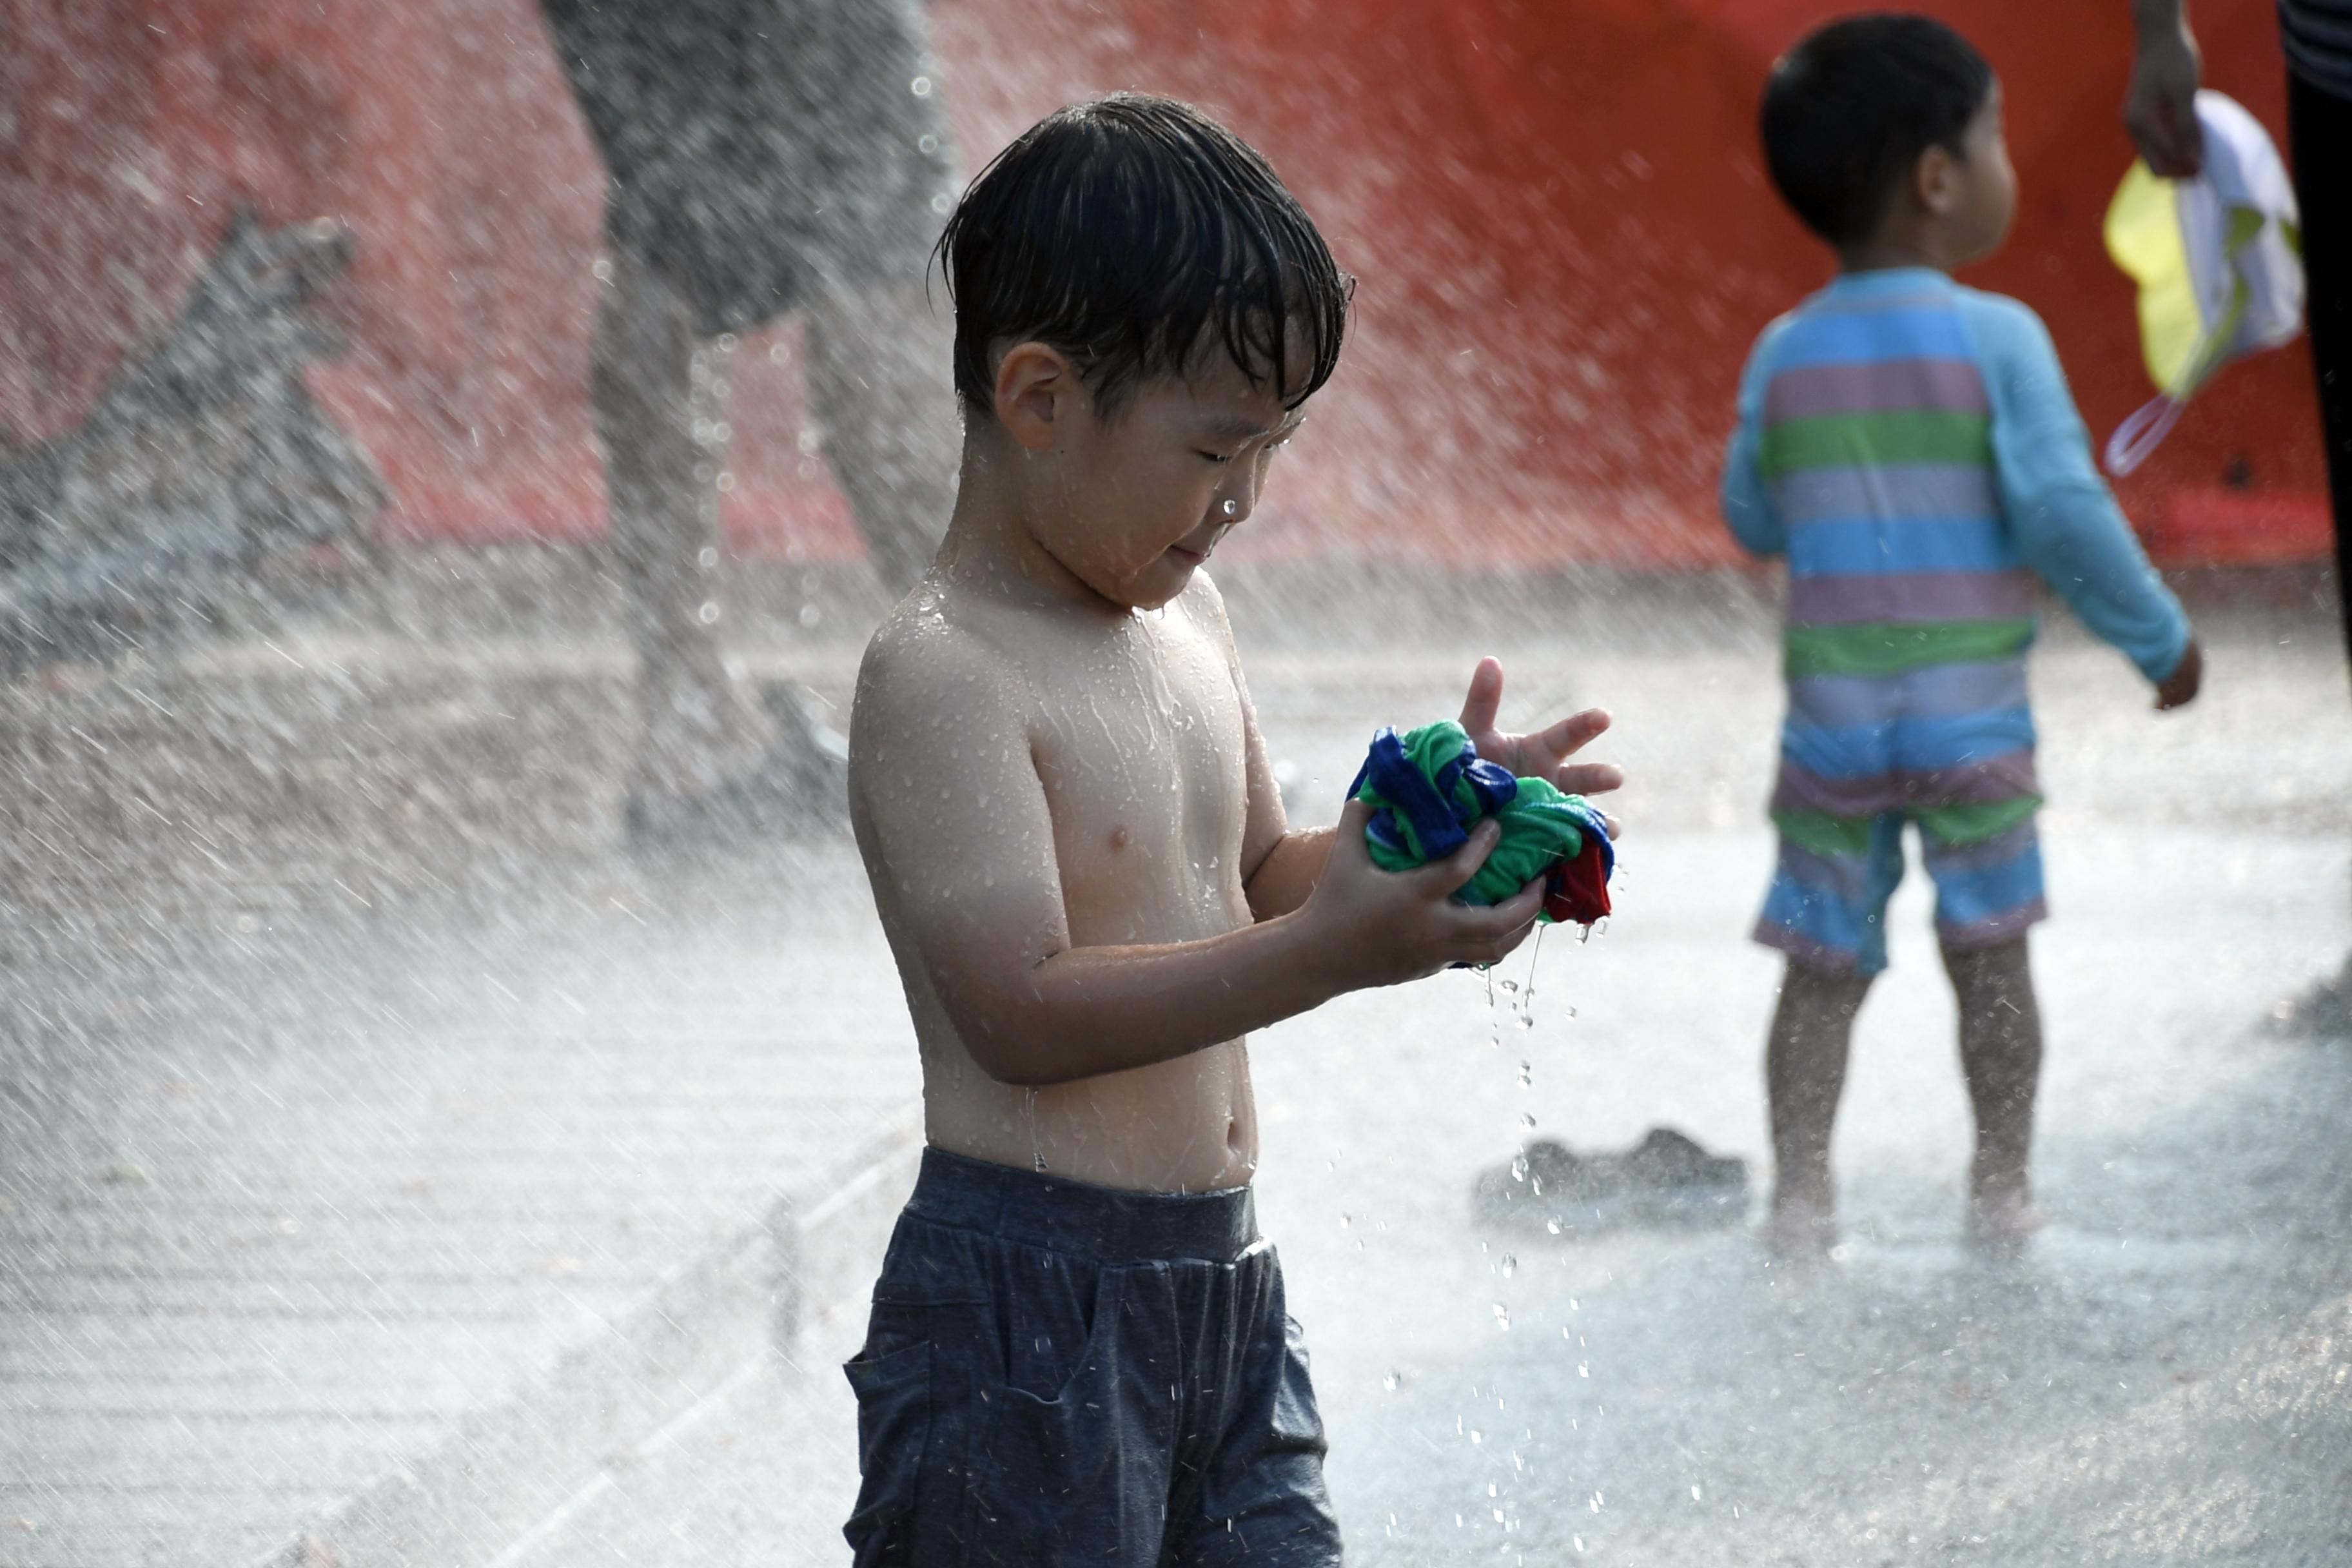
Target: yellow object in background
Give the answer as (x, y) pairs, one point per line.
(2219, 263)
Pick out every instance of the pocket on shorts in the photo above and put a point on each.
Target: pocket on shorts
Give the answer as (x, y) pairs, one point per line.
(894, 1430)
(1081, 1473)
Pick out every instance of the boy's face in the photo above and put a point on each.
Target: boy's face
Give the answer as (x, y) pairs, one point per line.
(1134, 501)
(1983, 199)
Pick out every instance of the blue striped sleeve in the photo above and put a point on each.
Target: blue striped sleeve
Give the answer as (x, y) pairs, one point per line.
(2061, 513)
(1746, 504)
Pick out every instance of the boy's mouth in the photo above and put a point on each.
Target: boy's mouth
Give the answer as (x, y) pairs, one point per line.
(1189, 557)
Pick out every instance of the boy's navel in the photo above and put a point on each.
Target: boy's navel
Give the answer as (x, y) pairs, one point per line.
(1117, 840)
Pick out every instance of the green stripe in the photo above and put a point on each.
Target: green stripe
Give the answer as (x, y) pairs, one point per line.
(1865, 440)
(1879, 647)
(1954, 824)
(1824, 834)
(1978, 820)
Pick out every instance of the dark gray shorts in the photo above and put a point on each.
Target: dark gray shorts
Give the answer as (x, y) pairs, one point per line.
(1061, 1372)
(759, 148)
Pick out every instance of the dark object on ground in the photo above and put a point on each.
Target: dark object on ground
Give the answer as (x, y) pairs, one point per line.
(203, 466)
(1665, 1181)
(2322, 1012)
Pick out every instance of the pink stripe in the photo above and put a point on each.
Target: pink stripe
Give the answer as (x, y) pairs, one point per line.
(1945, 385)
(1908, 596)
(1994, 929)
(1986, 782)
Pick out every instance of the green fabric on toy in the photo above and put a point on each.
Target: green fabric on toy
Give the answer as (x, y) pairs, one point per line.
(1430, 786)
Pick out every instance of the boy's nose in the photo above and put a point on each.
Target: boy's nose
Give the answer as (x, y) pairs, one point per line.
(1236, 500)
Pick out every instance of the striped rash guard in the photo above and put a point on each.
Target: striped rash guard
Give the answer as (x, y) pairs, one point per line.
(1909, 445)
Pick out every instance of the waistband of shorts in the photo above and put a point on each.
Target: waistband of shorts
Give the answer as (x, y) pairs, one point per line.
(1108, 1223)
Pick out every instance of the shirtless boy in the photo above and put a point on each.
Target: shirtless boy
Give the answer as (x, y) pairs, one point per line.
(1079, 1350)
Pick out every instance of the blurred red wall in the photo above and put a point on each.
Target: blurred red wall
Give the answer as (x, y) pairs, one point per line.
(1556, 209)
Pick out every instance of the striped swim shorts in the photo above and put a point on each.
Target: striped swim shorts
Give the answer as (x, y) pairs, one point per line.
(1946, 746)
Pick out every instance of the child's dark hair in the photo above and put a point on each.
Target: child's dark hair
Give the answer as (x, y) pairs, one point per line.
(1132, 233)
(1848, 111)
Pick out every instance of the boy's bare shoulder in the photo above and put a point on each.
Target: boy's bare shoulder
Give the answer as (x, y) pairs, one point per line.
(934, 662)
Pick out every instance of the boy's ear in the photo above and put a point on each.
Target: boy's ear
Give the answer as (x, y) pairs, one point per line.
(1037, 389)
(1935, 179)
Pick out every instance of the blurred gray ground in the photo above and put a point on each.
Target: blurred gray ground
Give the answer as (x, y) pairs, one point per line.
(351, 1072)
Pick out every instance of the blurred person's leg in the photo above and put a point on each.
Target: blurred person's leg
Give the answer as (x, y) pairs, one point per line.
(2319, 129)
(766, 156)
(1826, 909)
(882, 386)
(1804, 1077)
(701, 733)
(2000, 1056)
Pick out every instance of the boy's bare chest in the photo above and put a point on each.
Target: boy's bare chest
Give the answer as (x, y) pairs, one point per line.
(1143, 754)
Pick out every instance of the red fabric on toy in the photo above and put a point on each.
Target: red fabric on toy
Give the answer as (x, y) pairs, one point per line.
(1577, 889)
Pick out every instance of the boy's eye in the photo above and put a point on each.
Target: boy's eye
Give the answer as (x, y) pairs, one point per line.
(1215, 457)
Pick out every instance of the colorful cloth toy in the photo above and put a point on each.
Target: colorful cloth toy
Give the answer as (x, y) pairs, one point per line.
(1428, 788)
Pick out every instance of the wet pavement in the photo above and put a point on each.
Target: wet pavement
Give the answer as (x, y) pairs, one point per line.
(2163, 1377)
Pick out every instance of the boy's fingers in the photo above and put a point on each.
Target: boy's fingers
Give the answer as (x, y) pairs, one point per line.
(1591, 778)
(1484, 700)
(1502, 945)
(1462, 864)
(1498, 920)
(1573, 733)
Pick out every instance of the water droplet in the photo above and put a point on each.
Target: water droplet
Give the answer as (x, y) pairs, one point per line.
(1526, 1075)
(1519, 1169)
(1510, 1266)
(1502, 1317)
(1232, 507)
(1527, 1121)
(1584, 1369)
(1391, 1379)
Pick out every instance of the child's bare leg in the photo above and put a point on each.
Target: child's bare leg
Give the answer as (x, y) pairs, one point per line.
(2001, 1054)
(1804, 1075)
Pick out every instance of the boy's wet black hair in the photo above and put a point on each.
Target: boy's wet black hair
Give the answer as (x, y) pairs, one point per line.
(1134, 234)
(1848, 111)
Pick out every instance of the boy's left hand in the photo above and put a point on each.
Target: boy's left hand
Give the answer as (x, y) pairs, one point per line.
(1543, 755)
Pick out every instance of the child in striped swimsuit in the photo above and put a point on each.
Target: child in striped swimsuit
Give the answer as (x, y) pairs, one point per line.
(1910, 446)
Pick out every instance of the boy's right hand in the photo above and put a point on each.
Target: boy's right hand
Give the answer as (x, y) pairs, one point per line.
(1371, 927)
(2180, 688)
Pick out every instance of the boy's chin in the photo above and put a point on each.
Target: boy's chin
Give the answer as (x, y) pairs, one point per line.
(1156, 587)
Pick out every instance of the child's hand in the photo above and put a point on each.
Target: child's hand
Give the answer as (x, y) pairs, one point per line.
(1541, 755)
(2180, 688)
(1372, 927)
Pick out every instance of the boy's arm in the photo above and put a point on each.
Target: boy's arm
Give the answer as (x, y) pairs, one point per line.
(1747, 503)
(2061, 512)
(955, 822)
(1280, 866)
